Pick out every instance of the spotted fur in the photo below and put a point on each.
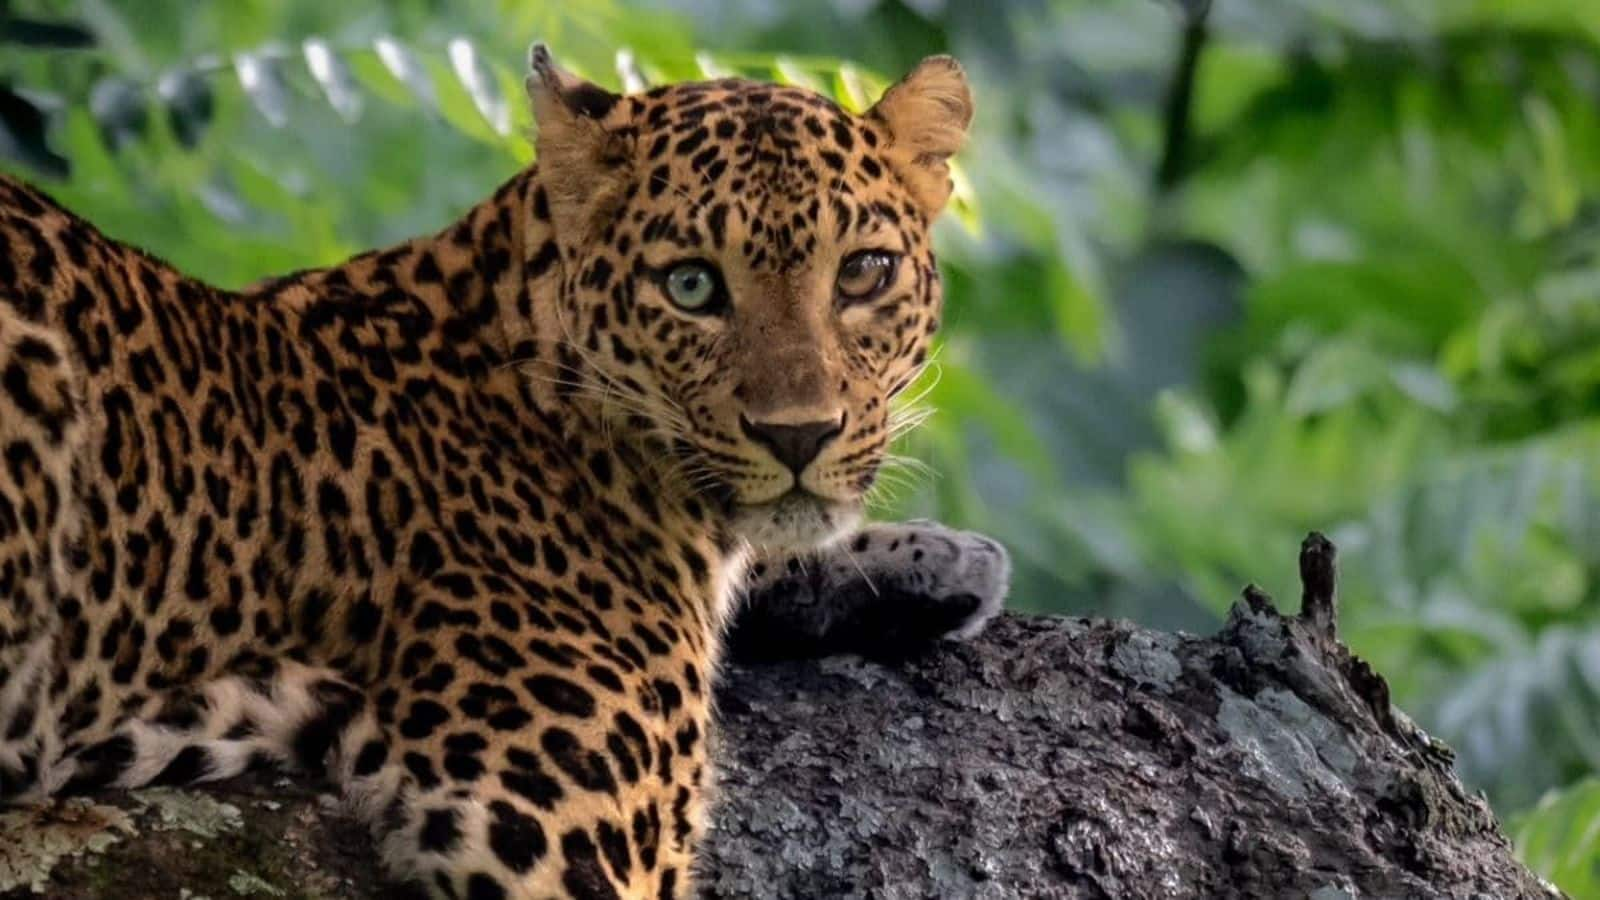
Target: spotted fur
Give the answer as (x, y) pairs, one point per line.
(455, 524)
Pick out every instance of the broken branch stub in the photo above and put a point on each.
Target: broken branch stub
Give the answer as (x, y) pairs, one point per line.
(1319, 583)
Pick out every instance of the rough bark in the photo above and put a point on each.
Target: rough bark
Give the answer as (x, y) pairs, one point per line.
(1052, 757)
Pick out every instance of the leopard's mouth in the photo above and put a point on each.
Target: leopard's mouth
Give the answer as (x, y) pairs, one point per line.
(797, 521)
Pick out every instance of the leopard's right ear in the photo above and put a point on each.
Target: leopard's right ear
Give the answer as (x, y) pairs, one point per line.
(927, 114)
(583, 154)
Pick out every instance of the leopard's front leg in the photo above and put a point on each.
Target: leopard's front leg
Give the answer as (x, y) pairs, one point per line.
(540, 751)
(887, 590)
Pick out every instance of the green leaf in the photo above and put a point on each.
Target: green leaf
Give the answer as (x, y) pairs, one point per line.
(332, 74)
(118, 108)
(1424, 384)
(190, 104)
(1560, 838)
(1069, 285)
(481, 85)
(964, 200)
(406, 69)
(710, 68)
(792, 73)
(1557, 184)
(633, 78)
(263, 84)
(42, 33)
(1404, 302)
(23, 128)
(857, 90)
(1336, 373)
(965, 397)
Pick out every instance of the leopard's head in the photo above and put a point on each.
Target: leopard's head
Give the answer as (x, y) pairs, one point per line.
(747, 276)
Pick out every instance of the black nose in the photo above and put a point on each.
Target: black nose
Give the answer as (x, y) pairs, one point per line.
(794, 445)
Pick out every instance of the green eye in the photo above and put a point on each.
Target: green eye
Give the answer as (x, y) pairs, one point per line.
(694, 286)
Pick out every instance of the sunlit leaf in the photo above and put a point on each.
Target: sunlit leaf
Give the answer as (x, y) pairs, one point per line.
(1557, 185)
(633, 80)
(792, 73)
(1188, 426)
(407, 70)
(964, 200)
(1425, 384)
(263, 84)
(856, 92)
(1335, 373)
(480, 84)
(710, 68)
(333, 75)
(458, 105)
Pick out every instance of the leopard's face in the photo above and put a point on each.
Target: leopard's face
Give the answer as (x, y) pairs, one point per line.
(749, 281)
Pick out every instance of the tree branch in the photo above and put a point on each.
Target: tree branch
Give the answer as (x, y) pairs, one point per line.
(1051, 757)
(1180, 95)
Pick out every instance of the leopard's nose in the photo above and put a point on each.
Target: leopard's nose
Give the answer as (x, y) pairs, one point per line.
(794, 445)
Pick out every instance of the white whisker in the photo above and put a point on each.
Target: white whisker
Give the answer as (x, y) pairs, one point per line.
(862, 572)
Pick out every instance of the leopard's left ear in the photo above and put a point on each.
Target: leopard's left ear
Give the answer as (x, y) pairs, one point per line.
(926, 114)
(582, 153)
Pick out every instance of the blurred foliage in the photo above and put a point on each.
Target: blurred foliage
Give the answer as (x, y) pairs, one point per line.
(1560, 838)
(1363, 296)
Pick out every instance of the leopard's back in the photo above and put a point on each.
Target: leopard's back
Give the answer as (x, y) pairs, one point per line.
(206, 426)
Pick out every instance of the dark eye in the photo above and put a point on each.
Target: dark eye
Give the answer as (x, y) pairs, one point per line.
(694, 286)
(864, 275)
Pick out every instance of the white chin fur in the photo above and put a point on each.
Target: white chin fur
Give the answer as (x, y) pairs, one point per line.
(795, 524)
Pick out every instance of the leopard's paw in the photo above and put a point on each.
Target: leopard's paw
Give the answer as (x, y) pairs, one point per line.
(955, 580)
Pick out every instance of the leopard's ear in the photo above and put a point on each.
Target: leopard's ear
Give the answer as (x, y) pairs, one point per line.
(582, 152)
(926, 114)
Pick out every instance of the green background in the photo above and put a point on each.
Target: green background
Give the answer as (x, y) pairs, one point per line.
(1348, 279)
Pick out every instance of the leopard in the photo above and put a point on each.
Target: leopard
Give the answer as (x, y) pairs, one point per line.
(467, 528)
